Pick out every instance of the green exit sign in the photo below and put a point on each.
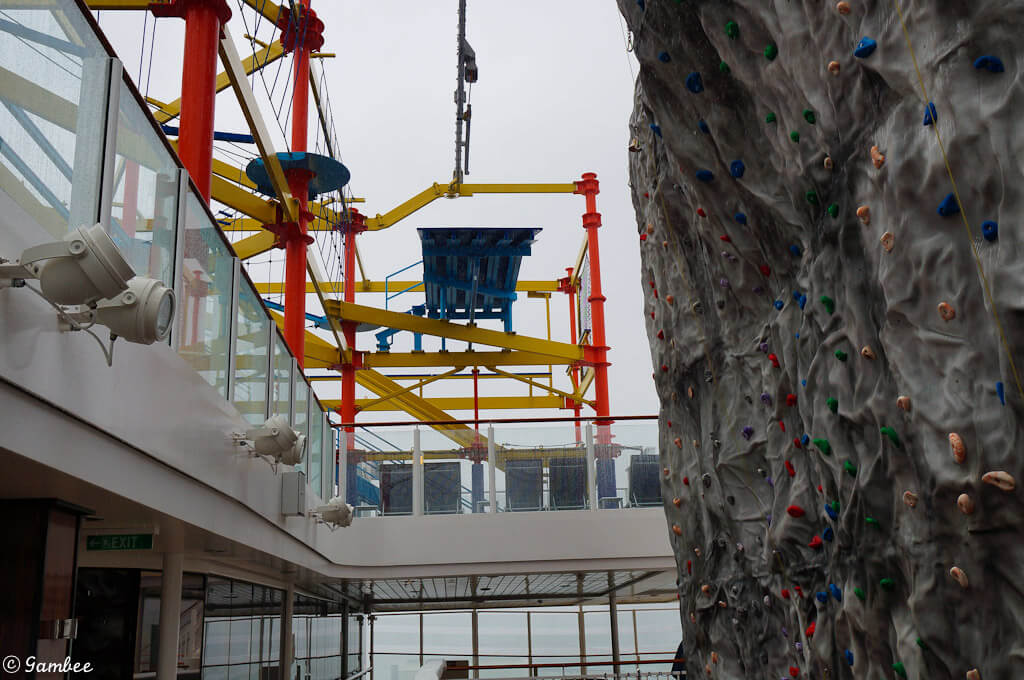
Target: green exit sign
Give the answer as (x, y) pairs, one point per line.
(119, 542)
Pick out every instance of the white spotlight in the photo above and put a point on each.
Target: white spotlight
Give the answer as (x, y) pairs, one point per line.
(278, 440)
(81, 269)
(337, 512)
(141, 314)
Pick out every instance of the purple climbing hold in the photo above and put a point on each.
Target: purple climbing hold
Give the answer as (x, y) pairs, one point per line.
(748, 432)
(724, 283)
(766, 398)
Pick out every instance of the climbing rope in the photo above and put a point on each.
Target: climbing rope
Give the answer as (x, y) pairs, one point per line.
(963, 212)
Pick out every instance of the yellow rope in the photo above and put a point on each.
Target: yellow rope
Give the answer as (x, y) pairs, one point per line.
(963, 213)
(690, 289)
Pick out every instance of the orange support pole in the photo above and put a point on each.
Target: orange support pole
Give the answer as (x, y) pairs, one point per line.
(354, 225)
(589, 187)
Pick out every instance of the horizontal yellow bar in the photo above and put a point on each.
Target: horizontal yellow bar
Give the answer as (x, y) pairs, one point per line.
(349, 311)
(443, 359)
(277, 288)
(462, 403)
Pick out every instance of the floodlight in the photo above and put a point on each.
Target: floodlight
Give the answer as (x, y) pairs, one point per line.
(278, 440)
(337, 512)
(81, 269)
(141, 314)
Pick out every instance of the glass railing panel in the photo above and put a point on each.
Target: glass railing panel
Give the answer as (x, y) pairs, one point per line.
(315, 452)
(205, 304)
(555, 638)
(628, 467)
(540, 467)
(252, 355)
(301, 421)
(145, 195)
(53, 73)
(281, 381)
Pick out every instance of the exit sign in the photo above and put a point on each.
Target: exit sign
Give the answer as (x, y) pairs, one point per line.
(119, 542)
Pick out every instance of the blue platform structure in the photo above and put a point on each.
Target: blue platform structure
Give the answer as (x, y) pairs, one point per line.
(327, 174)
(471, 273)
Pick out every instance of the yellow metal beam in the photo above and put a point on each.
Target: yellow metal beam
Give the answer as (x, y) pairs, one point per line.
(268, 9)
(588, 377)
(461, 404)
(276, 287)
(258, 244)
(579, 263)
(319, 352)
(236, 74)
(442, 359)
(349, 311)
(547, 388)
(436, 191)
(243, 201)
(265, 56)
(118, 4)
(459, 376)
(407, 389)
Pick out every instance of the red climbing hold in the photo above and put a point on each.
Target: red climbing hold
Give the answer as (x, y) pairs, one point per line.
(725, 237)
(815, 543)
(798, 590)
(766, 270)
(661, 335)
(819, 489)
(655, 293)
(796, 442)
(643, 237)
(646, 195)
(652, 313)
(810, 629)
(794, 671)
(700, 211)
(651, 283)
(795, 511)
(782, 426)
(790, 469)
(774, 359)
(670, 423)
(664, 368)
(785, 594)
(689, 566)
(790, 400)
(686, 481)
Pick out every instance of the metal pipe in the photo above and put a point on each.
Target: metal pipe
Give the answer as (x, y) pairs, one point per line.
(417, 479)
(199, 93)
(170, 615)
(589, 187)
(492, 465)
(613, 613)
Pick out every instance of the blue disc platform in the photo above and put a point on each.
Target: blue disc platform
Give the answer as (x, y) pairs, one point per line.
(327, 174)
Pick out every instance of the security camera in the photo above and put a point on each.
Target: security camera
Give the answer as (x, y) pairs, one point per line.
(337, 512)
(141, 314)
(81, 269)
(278, 440)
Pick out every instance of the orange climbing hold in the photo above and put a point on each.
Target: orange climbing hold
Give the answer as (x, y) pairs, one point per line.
(877, 157)
(867, 352)
(714, 657)
(864, 214)
(946, 311)
(958, 574)
(678, 442)
(965, 503)
(843, 7)
(828, 162)
(677, 530)
(833, 67)
(1000, 480)
(903, 403)
(888, 241)
(706, 589)
(956, 443)
(670, 299)
(910, 498)
(677, 501)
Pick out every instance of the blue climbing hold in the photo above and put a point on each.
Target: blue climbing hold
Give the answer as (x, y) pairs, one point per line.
(705, 175)
(821, 596)
(930, 114)
(641, 5)
(1001, 393)
(828, 534)
(664, 57)
(802, 301)
(990, 230)
(779, 304)
(797, 336)
(795, 249)
(694, 83)
(703, 127)
(949, 206)
(865, 48)
(656, 129)
(796, 295)
(740, 218)
(836, 592)
(849, 657)
(737, 169)
(990, 64)
(831, 512)
(806, 439)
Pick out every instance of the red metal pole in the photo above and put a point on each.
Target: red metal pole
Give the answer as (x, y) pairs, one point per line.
(476, 401)
(348, 369)
(575, 373)
(298, 183)
(589, 187)
(199, 90)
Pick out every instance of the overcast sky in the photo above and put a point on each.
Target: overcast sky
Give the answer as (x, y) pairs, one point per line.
(553, 101)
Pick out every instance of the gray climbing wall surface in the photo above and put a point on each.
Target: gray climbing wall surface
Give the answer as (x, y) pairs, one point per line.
(841, 420)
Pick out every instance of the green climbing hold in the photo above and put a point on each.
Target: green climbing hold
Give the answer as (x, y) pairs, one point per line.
(887, 583)
(900, 670)
(732, 29)
(841, 355)
(922, 644)
(809, 116)
(833, 210)
(859, 592)
(812, 197)
(771, 51)
(823, 446)
(830, 304)
(770, 118)
(850, 468)
(871, 521)
(835, 507)
(833, 404)
(893, 437)
(795, 136)
(724, 68)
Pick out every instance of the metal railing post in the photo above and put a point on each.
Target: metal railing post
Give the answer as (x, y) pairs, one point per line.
(492, 475)
(417, 480)
(591, 467)
(236, 284)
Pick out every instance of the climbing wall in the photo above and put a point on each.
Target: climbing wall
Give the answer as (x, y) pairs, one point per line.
(829, 202)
